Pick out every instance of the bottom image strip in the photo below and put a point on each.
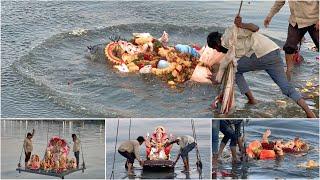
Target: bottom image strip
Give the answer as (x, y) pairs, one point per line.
(265, 149)
(158, 148)
(47, 149)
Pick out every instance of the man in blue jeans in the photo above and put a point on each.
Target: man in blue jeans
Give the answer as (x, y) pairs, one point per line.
(256, 52)
(186, 144)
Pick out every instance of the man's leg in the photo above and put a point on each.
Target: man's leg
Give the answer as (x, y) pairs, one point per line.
(184, 154)
(27, 158)
(293, 38)
(130, 169)
(215, 142)
(276, 72)
(130, 160)
(76, 154)
(245, 64)
(314, 33)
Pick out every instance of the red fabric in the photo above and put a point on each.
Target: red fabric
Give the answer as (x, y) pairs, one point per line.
(267, 154)
(267, 146)
(167, 150)
(148, 150)
(288, 150)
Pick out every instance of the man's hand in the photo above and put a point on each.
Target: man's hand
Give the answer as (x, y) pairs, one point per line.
(267, 133)
(238, 21)
(267, 21)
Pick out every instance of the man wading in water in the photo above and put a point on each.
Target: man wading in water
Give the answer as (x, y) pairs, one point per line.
(186, 144)
(28, 147)
(131, 151)
(304, 18)
(256, 52)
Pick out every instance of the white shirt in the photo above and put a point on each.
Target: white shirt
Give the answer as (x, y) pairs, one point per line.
(248, 43)
(185, 141)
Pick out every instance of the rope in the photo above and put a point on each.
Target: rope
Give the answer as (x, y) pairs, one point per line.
(114, 154)
(22, 149)
(83, 163)
(47, 139)
(199, 163)
(130, 130)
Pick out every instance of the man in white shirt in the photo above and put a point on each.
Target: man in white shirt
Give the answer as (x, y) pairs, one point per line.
(256, 52)
(76, 147)
(186, 144)
(304, 18)
(131, 151)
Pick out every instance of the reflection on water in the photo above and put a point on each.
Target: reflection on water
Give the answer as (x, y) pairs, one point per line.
(285, 167)
(141, 128)
(91, 133)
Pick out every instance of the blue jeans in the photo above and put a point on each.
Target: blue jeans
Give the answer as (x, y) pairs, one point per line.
(215, 136)
(228, 133)
(273, 65)
(185, 151)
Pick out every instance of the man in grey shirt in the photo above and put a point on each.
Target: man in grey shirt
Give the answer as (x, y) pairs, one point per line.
(186, 144)
(131, 151)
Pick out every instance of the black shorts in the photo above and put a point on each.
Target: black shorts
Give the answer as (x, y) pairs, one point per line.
(295, 35)
(27, 155)
(130, 156)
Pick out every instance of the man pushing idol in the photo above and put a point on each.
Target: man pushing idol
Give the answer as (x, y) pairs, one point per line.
(252, 51)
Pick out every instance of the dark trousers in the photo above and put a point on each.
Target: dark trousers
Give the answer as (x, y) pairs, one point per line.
(229, 133)
(27, 156)
(185, 151)
(295, 35)
(76, 154)
(130, 156)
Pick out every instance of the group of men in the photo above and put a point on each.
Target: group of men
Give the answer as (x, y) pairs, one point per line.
(28, 147)
(131, 150)
(255, 52)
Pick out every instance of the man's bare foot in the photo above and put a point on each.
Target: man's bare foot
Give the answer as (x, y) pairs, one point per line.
(310, 114)
(252, 101)
(130, 173)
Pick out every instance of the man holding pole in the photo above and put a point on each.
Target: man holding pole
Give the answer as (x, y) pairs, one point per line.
(254, 52)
